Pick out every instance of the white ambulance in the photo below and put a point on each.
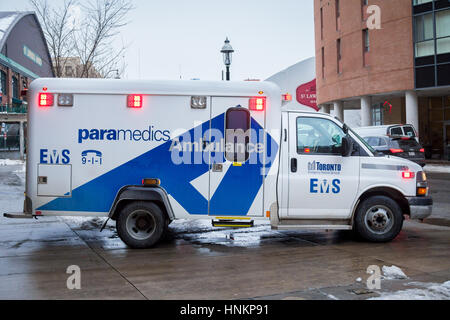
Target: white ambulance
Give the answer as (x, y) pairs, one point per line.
(145, 153)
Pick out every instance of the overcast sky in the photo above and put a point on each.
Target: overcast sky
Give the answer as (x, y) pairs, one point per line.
(169, 38)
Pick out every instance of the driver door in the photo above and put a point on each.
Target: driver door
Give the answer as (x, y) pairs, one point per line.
(322, 183)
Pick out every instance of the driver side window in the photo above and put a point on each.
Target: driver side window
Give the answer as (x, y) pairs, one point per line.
(318, 136)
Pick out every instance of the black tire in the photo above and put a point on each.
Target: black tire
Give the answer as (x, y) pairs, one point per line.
(140, 224)
(378, 219)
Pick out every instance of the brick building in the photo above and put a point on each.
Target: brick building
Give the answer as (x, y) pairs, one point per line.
(397, 74)
(24, 56)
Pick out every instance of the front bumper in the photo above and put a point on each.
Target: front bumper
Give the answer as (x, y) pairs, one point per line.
(420, 207)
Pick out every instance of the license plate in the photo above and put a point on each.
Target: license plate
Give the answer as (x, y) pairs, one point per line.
(412, 154)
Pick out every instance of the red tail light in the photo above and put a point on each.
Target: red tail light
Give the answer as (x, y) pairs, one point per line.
(46, 99)
(257, 104)
(422, 150)
(396, 150)
(408, 175)
(134, 101)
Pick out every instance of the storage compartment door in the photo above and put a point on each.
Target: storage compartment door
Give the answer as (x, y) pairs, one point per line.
(54, 180)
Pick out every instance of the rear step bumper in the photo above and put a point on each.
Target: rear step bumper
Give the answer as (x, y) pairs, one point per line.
(20, 215)
(232, 224)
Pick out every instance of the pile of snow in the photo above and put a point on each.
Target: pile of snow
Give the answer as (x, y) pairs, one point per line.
(431, 291)
(21, 170)
(436, 168)
(393, 273)
(8, 162)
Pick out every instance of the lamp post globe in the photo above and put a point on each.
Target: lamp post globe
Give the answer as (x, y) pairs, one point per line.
(227, 52)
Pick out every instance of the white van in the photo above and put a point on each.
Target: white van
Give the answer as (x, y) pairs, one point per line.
(392, 130)
(145, 153)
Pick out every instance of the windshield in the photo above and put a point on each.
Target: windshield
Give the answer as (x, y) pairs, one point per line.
(364, 142)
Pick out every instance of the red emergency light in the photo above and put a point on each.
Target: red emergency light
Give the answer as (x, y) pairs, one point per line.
(46, 99)
(257, 104)
(134, 101)
(287, 97)
(408, 175)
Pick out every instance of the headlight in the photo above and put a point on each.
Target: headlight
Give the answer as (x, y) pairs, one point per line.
(422, 184)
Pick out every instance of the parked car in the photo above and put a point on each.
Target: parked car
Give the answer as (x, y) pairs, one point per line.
(399, 146)
(396, 130)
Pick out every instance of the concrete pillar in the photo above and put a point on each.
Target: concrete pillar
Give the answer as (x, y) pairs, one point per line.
(325, 108)
(412, 109)
(366, 111)
(339, 109)
(22, 141)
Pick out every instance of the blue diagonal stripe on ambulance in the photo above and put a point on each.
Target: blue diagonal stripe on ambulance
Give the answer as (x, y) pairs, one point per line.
(98, 194)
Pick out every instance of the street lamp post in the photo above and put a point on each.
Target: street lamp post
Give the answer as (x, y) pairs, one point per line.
(227, 51)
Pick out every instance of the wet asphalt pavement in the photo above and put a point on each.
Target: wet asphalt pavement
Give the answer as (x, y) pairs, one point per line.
(196, 261)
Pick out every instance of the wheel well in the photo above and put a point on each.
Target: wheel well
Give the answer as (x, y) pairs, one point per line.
(125, 202)
(395, 195)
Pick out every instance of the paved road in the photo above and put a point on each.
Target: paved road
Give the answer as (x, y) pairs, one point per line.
(197, 261)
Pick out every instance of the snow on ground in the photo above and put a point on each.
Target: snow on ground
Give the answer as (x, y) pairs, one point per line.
(436, 168)
(12, 185)
(393, 273)
(429, 291)
(8, 162)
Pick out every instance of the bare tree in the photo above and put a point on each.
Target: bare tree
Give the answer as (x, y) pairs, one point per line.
(57, 31)
(93, 42)
(90, 40)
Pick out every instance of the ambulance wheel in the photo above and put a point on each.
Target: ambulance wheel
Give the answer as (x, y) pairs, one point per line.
(378, 219)
(140, 224)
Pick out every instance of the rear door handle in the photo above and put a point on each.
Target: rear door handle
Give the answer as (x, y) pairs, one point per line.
(294, 165)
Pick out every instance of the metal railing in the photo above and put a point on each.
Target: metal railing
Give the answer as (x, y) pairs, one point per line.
(14, 108)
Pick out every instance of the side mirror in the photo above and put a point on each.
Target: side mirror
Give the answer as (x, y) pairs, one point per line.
(345, 128)
(347, 146)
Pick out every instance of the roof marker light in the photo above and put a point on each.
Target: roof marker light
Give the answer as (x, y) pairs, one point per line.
(257, 104)
(287, 97)
(46, 99)
(134, 101)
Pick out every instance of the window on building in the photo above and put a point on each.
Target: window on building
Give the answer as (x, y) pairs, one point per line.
(424, 35)
(15, 87)
(338, 15)
(3, 83)
(364, 4)
(339, 55)
(237, 134)
(323, 62)
(321, 23)
(443, 31)
(366, 47)
(366, 39)
(69, 71)
(417, 2)
(377, 115)
(318, 136)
